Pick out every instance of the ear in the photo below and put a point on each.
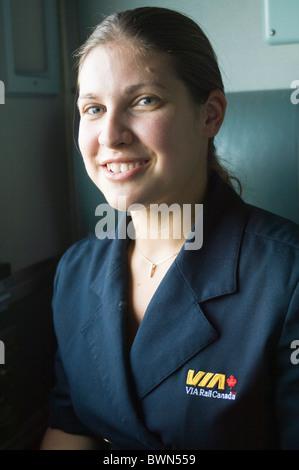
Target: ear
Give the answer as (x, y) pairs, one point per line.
(215, 107)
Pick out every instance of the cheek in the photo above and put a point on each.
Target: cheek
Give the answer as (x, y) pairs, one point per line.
(160, 135)
(89, 149)
(87, 141)
(169, 136)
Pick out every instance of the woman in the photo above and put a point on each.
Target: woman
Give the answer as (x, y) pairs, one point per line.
(161, 346)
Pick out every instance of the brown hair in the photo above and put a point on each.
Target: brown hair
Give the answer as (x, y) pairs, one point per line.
(155, 29)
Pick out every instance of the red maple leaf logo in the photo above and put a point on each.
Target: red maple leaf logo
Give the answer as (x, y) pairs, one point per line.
(231, 381)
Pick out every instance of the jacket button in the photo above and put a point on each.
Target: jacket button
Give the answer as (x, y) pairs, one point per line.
(122, 304)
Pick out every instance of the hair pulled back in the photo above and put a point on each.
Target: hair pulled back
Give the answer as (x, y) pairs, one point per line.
(161, 30)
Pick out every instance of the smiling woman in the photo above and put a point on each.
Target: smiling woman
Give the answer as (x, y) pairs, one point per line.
(192, 57)
(184, 354)
(142, 135)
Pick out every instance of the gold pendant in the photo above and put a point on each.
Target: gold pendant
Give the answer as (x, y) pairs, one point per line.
(152, 269)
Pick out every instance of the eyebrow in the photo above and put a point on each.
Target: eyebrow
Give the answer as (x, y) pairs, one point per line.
(132, 88)
(87, 96)
(129, 90)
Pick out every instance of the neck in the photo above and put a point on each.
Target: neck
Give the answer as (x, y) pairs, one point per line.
(160, 232)
(161, 229)
(157, 241)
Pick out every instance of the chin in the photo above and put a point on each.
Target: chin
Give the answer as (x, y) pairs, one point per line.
(119, 203)
(124, 202)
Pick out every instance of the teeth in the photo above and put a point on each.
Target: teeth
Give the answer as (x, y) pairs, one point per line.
(122, 167)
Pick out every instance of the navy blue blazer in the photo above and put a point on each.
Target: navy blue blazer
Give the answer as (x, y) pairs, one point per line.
(210, 366)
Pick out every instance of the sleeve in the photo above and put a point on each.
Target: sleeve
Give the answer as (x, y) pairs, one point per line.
(62, 414)
(287, 387)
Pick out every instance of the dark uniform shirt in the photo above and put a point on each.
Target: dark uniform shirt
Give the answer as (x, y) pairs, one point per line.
(211, 365)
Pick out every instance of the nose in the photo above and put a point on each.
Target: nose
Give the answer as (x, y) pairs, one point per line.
(114, 131)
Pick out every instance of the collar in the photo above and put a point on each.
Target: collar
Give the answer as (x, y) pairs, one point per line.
(224, 218)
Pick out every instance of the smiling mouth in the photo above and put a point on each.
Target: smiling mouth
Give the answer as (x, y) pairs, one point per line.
(123, 167)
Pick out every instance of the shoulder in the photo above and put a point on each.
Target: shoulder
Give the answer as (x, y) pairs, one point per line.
(259, 224)
(270, 251)
(86, 249)
(268, 227)
(79, 268)
(82, 261)
(96, 252)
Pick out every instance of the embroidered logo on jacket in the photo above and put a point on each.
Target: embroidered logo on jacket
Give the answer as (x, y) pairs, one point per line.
(210, 385)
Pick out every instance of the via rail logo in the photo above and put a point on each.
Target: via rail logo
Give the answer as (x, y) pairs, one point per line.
(210, 385)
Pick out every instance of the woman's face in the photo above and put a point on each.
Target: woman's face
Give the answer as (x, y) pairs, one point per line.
(141, 134)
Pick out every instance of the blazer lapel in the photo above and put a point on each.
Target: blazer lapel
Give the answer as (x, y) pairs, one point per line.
(174, 327)
(105, 334)
(172, 331)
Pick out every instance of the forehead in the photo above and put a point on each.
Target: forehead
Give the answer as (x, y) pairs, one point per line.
(118, 64)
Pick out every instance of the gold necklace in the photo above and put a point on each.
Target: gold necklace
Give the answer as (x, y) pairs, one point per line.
(153, 266)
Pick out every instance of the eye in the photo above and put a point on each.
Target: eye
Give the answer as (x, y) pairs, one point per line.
(147, 100)
(94, 110)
